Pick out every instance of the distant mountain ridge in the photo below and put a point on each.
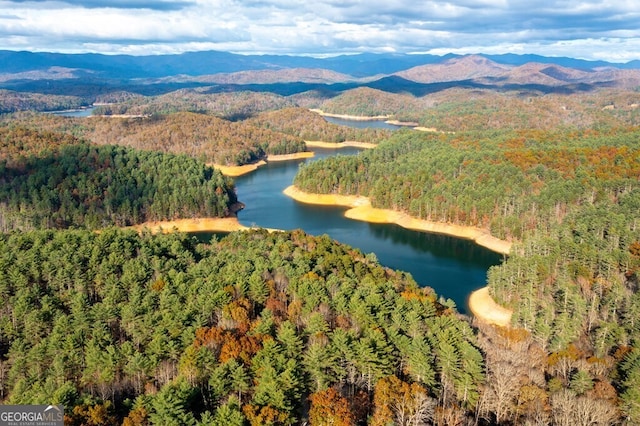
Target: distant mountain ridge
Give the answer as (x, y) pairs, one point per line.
(89, 76)
(214, 62)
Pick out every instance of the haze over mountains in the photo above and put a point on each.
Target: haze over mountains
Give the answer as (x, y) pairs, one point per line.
(202, 68)
(90, 75)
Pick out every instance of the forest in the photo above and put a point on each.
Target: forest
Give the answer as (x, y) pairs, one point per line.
(50, 180)
(255, 328)
(569, 199)
(203, 136)
(286, 328)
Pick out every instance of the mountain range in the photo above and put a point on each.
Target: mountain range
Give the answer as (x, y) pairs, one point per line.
(417, 74)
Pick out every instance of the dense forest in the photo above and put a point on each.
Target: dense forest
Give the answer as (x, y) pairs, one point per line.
(570, 200)
(12, 101)
(203, 137)
(52, 180)
(365, 101)
(285, 328)
(310, 126)
(459, 109)
(256, 328)
(236, 105)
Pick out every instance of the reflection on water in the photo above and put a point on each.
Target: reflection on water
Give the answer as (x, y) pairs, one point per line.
(437, 245)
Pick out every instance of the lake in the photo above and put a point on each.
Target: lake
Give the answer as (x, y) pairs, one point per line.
(453, 267)
(80, 112)
(377, 124)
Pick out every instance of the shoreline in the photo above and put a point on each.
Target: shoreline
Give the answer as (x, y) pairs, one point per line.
(480, 302)
(350, 117)
(484, 308)
(201, 224)
(361, 209)
(198, 224)
(293, 156)
(338, 145)
(235, 171)
(412, 124)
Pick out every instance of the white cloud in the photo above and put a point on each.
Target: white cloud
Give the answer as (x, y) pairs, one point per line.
(590, 29)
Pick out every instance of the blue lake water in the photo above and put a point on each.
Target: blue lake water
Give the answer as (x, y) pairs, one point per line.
(453, 267)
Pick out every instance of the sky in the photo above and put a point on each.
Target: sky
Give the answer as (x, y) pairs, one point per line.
(594, 30)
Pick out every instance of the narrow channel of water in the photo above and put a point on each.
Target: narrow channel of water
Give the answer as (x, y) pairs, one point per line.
(451, 266)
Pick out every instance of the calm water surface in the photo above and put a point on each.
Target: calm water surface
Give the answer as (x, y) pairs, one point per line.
(80, 112)
(451, 266)
(378, 124)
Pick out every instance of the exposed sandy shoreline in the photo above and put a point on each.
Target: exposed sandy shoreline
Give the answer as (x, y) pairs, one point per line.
(350, 117)
(235, 171)
(361, 210)
(481, 303)
(487, 310)
(287, 157)
(203, 224)
(402, 123)
(325, 199)
(338, 145)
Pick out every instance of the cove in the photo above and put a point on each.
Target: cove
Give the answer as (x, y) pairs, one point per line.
(453, 267)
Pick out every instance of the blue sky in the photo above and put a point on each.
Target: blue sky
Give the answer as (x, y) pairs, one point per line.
(608, 30)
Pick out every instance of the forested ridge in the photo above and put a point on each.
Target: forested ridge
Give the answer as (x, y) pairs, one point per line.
(287, 328)
(310, 126)
(207, 138)
(236, 105)
(11, 101)
(510, 182)
(203, 137)
(54, 180)
(570, 200)
(256, 328)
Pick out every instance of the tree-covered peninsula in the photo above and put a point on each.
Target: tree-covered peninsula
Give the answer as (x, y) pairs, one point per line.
(204, 137)
(570, 201)
(51, 180)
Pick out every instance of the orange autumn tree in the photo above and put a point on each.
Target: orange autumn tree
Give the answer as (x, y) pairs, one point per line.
(328, 407)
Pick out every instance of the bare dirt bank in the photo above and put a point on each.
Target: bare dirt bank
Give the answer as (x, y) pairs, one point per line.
(325, 199)
(487, 310)
(287, 157)
(350, 117)
(403, 123)
(235, 171)
(337, 145)
(203, 224)
(361, 209)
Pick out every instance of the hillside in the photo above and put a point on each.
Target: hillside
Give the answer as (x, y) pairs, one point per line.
(92, 77)
(51, 180)
(161, 330)
(569, 201)
(202, 137)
